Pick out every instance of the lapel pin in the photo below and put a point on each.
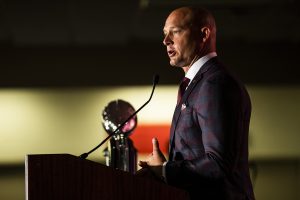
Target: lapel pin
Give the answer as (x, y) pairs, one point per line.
(183, 106)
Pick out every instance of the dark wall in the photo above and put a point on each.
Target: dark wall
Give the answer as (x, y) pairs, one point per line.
(135, 64)
(92, 43)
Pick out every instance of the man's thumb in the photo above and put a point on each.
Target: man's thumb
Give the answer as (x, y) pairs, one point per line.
(155, 144)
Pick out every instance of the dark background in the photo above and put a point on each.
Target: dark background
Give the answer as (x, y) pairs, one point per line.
(65, 43)
(82, 44)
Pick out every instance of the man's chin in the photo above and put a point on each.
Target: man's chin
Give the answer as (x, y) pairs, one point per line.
(174, 64)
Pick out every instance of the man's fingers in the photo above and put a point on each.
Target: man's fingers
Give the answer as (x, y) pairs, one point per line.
(143, 164)
(155, 145)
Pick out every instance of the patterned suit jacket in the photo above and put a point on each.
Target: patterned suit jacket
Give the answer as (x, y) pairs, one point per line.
(208, 153)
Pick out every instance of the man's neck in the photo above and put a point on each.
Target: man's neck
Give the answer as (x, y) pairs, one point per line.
(185, 69)
(207, 48)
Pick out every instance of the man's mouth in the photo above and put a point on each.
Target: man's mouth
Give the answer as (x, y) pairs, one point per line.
(171, 53)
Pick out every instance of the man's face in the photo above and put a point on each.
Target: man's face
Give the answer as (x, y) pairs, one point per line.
(182, 44)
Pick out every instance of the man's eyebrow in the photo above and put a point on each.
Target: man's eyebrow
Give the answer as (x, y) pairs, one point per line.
(172, 27)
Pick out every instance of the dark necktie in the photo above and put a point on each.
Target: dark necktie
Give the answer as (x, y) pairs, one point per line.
(184, 83)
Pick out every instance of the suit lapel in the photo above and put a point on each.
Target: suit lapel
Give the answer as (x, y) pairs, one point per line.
(184, 101)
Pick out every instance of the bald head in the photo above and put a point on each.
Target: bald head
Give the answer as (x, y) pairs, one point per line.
(190, 33)
(197, 18)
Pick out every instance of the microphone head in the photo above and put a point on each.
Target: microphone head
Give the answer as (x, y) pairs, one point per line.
(155, 79)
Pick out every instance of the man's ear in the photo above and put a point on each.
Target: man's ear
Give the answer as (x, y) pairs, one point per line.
(205, 33)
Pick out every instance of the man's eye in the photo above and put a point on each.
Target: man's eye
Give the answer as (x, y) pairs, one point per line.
(176, 31)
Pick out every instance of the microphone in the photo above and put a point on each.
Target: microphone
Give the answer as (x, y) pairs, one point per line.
(154, 82)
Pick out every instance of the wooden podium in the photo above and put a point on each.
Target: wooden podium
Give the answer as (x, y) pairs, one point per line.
(67, 177)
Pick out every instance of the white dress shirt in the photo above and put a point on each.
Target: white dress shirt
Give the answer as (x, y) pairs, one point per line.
(191, 73)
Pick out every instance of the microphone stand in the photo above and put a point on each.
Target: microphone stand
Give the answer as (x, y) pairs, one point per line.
(155, 81)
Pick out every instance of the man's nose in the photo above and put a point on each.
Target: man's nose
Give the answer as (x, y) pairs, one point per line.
(167, 40)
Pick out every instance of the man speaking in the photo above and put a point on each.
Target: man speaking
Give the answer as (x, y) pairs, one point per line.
(208, 154)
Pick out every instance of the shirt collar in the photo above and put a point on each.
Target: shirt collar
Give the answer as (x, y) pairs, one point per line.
(191, 73)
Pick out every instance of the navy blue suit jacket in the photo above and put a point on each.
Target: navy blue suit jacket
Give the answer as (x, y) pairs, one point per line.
(209, 137)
